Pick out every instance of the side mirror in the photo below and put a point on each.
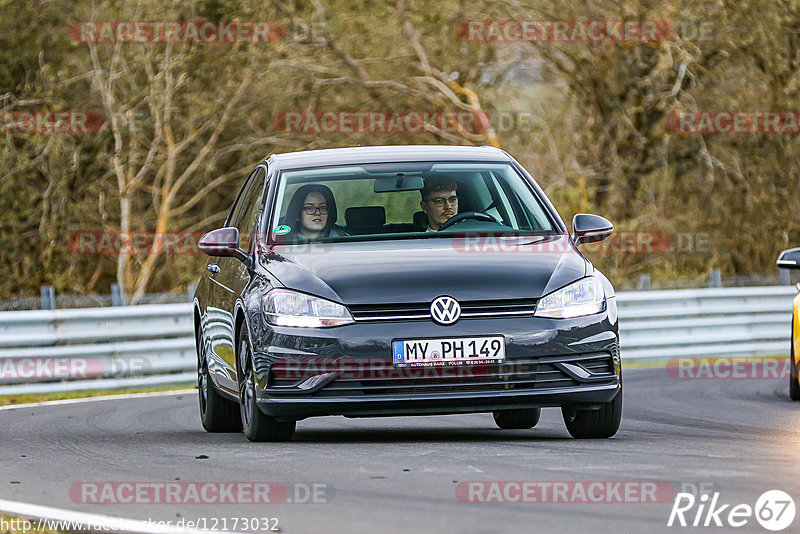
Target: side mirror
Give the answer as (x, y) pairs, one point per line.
(588, 228)
(223, 242)
(789, 259)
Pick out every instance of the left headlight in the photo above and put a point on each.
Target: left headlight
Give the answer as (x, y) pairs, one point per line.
(584, 297)
(290, 308)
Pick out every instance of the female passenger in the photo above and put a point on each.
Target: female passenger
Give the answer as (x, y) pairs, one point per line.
(312, 214)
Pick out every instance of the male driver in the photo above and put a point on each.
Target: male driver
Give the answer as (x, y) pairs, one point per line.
(439, 203)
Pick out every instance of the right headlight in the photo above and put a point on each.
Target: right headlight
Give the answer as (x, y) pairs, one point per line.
(284, 307)
(584, 297)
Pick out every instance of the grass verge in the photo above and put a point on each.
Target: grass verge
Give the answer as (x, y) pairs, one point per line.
(6, 400)
(661, 362)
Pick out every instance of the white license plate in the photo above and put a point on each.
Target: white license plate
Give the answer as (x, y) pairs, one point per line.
(450, 351)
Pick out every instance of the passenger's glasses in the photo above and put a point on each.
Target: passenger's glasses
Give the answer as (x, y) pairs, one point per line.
(310, 209)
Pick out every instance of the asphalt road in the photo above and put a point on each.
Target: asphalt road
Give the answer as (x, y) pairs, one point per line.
(736, 437)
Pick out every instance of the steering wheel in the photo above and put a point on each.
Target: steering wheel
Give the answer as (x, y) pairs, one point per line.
(475, 215)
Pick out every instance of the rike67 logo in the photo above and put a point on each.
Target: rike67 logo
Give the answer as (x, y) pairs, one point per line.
(774, 510)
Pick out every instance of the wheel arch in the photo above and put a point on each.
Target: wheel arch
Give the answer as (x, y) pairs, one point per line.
(197, 326)
(240, 318)
(196, 318)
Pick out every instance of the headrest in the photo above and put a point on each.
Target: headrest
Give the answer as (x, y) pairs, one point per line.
(365, 216)
(421, 221)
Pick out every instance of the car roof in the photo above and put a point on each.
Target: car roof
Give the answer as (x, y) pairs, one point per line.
(387, 154)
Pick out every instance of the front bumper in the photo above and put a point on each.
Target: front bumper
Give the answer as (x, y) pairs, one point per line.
(437, 404)
(348, 370)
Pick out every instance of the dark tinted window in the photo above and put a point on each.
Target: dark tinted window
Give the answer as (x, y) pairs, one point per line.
(245, 219)
(385, 202)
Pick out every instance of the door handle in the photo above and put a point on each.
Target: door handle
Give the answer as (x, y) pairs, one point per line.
(213, 268)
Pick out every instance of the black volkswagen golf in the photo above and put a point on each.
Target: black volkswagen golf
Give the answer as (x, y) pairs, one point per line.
(403, 280)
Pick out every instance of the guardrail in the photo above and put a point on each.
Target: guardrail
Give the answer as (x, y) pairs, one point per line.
(153, 345)
(741, 321)
(96, 348)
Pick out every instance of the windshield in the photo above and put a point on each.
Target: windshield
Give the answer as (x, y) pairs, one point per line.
(404, 201)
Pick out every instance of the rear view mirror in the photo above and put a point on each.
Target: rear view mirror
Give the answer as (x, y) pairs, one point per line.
(400, 182)
(588, 228)
(789, 259)
(223, 242)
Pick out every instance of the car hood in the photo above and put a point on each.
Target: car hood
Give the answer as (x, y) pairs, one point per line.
(411, 271)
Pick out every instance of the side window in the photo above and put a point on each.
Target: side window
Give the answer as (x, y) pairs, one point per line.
(504, 207)
(245, 219)
(240, 199)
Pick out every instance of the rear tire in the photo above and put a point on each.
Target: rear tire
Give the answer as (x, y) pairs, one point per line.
(522, 418)
(217, 413)
(594, 424)
(257, 425)
(794, 386)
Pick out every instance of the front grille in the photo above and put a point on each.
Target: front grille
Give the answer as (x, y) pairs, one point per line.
(382, 378)
(421, 311)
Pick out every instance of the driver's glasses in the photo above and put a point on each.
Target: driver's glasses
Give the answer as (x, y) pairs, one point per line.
(311, 209)
(439, 201)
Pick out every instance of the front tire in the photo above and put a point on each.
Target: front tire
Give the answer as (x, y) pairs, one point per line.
(217, 413)
(523, 418)
(594, 424)
(257, 425)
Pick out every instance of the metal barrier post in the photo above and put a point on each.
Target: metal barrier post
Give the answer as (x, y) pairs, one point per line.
(117, 295)
(644, 282)
(48, 298)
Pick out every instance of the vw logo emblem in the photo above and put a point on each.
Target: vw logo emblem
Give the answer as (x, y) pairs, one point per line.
(445, 310)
